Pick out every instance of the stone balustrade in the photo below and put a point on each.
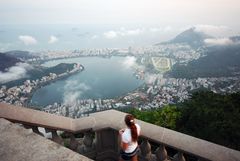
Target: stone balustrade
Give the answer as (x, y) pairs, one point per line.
(96, 136)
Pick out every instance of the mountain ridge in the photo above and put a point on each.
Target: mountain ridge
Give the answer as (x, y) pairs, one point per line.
(7, 61)
(190, 36)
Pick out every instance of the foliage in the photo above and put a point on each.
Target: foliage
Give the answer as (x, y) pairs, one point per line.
(165, 117)
(212, 117)
(218, 62)
(206, 115)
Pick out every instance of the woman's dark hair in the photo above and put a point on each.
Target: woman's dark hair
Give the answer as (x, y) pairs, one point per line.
(129, 120)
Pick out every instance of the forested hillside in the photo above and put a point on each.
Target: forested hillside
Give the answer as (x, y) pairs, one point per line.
(206, 115)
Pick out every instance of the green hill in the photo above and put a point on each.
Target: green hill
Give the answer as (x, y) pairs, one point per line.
(38, 72)
(218, 62)
(206, 115)
(7, 61)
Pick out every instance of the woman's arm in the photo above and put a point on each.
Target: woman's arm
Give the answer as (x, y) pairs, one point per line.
(123, 145)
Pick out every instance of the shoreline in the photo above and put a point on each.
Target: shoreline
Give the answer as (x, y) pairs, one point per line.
(117, 98)
(29, 97)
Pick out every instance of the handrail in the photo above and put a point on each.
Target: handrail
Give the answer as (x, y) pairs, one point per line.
(114, 119)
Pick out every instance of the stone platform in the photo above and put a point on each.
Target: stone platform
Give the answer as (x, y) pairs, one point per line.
(20, 144)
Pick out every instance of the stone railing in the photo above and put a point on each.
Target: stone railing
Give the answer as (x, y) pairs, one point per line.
(96, 136)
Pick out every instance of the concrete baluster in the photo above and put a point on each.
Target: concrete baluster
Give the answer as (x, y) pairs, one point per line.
(87, 141)
(73, 145)
(27, 126)
(35, 129)
(179, 157)
(55, 137)
(161, 153)
(146, 154)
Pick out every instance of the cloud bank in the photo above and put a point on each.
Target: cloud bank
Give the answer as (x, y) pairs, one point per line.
(52, 39)
(123, 32)
(150, 78)
(27, 40)
(15, 72)
(129, 62)
(73, 89)
(218, 42)
(213, 30)
(110, 34)
(94, 37)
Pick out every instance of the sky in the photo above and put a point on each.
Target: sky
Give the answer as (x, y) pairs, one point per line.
(115, 21)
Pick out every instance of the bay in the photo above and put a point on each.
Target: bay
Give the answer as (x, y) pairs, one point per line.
(103, 78)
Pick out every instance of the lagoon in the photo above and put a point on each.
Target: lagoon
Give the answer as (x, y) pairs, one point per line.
(103, 78)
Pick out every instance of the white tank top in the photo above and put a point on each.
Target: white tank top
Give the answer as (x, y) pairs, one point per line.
(127, 138)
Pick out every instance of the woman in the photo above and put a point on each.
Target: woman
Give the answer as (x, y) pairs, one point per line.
(129, 138)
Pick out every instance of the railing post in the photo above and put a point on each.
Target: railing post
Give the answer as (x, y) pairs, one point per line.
(34, 129)
(73, 144)
(55, 137)
(87, 148)
(88, 141)
(179, 157)
(107, 146)
(161, 153)
(146, 154)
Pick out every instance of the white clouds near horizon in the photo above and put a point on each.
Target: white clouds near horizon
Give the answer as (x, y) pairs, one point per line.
(27, 40)
(123, 32)
(213, 30)
(52, 39)
(218, 42)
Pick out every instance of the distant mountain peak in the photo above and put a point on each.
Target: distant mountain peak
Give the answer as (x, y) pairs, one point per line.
(191, 37)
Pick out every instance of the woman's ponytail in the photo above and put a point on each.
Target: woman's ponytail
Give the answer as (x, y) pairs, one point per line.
(129, 120)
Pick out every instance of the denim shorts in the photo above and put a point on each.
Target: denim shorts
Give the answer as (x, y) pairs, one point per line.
(128, 156)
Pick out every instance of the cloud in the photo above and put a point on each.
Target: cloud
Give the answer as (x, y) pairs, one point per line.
(27, 40)
(218, 42)
(155, 29)
(73, 90)
(161, 29)
(52, 39)
(133, 32)
(83, 34)
(94, 37)
(213, 30)
(15, 72)
(123, 32)
(150, 78)
(110, 34)
(129, 62)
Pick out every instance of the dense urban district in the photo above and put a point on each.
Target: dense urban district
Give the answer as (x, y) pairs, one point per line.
(188, 86)
(151, 64)
(155, 64)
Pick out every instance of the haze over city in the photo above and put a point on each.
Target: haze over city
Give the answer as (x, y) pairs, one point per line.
(58, 25)
(173, 64)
